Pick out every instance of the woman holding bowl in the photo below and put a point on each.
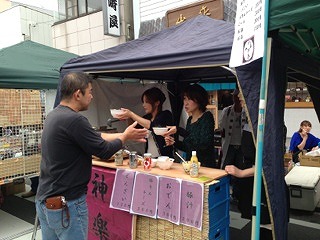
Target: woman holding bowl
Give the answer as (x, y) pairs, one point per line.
(199, 133)
(152, 101)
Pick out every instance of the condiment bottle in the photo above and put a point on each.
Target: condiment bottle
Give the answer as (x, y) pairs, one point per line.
(194, 168)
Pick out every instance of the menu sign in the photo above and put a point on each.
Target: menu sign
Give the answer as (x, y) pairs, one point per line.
(169, 199)
(191, 204)
(122, 190)
(145, 195)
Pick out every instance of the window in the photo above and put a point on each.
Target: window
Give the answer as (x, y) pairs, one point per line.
(70, 9)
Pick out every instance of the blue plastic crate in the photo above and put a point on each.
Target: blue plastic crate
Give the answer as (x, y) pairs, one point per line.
(221, 231)
(219, 213)
(219, 192)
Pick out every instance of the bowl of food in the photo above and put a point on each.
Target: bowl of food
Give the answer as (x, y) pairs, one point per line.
(160, 130)
(115, 112)
(164, 163)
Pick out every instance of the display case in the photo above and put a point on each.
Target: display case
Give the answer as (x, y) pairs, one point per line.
(297, 96)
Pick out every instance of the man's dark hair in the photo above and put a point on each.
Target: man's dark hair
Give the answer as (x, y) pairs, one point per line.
(197, 94)
(72, 82)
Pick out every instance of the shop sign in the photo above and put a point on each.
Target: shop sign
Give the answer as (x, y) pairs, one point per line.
(111, 17)
(210, 8)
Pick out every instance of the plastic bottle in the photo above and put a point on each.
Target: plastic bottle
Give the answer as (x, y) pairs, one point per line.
(194, 168)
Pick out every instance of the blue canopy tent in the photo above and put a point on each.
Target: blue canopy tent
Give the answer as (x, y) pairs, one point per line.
(198, 50)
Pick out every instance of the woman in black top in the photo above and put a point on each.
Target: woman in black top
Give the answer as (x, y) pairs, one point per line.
(199, 133)
(152, 101)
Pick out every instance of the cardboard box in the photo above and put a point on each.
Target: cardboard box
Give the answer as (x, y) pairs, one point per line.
(15, 187)
(309, 161)
(304, 187)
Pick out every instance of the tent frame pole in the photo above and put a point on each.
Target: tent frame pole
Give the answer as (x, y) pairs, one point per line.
(256, 200)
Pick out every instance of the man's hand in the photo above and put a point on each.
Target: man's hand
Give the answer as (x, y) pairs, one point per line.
(135, 134)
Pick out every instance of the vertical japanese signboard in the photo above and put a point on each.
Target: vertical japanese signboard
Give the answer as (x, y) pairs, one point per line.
(145, 195)
(169, 199)
(248, 41)
(105, 222)
(122, 190)
(191, 204)
(111, 17)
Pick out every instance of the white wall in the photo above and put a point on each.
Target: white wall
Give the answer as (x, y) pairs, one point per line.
(153, 9)
(36, 25)
(10, 30)
(19, 23)
(83, 35)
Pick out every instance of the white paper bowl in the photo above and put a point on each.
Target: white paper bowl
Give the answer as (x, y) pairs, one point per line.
(164, 165)
(160, 130)
(153, 162)
(115, 112)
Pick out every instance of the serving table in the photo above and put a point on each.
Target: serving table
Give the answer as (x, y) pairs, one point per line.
(116, 224)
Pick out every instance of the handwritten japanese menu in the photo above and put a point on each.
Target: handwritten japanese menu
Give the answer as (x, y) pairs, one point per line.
(169, 199)
(145, 195)
(122, 190)
(191, 204)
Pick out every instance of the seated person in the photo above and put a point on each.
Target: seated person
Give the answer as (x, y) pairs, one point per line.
(303, 140)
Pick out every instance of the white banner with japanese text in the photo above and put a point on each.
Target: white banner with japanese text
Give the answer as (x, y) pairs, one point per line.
(248, 42)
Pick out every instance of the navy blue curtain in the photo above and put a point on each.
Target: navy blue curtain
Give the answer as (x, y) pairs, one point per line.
(273, 167)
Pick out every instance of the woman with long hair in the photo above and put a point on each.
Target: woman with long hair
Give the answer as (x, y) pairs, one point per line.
(152, 102)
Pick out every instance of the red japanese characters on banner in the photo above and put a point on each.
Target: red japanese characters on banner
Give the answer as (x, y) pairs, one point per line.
(105, 222)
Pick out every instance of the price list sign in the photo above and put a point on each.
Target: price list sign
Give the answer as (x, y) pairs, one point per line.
(169, 199)
(145, 195)
(122, 190)
(191, 204)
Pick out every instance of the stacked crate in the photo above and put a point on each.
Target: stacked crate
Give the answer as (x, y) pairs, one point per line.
(215, 221)
(21, 122)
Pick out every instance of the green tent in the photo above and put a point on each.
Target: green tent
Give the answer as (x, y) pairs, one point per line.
(30, 65)
(297, 24)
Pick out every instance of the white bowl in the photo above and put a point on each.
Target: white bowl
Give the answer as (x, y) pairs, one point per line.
(163, 158)
(164, 165)
(153, 162)
(160, 130)
(115, 112)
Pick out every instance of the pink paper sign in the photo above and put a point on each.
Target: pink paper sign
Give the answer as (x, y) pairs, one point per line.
(145, 195)
(122, 190)
(169, 199)
(105, 222)
(191, 204)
